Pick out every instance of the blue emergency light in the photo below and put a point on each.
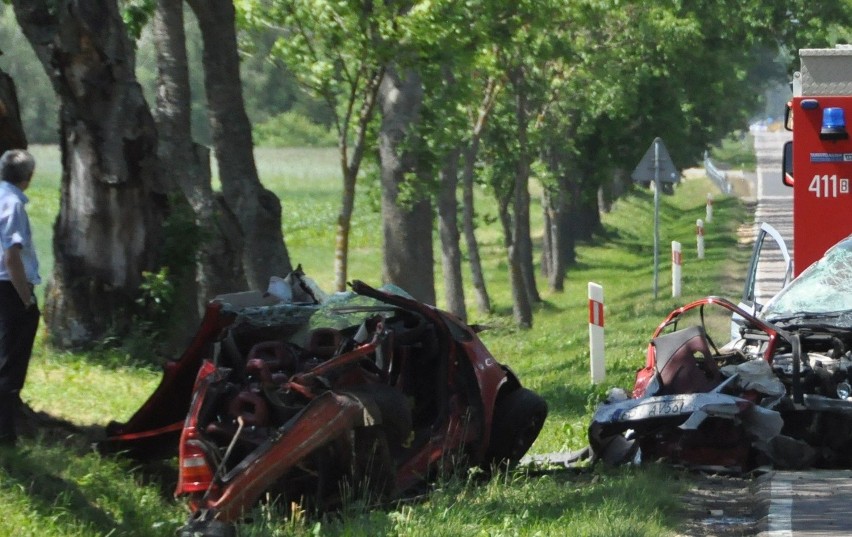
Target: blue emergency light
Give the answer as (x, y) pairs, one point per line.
(833, 124)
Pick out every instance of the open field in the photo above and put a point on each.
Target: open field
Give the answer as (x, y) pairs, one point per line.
(53, 485)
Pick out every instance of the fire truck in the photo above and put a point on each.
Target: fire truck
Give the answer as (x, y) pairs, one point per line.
(818, 161)
(817, 165)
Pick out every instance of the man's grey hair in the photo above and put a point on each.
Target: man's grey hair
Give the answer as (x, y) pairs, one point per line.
(16, 166)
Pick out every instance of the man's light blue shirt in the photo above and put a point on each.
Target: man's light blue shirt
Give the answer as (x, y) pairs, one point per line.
(15, 229)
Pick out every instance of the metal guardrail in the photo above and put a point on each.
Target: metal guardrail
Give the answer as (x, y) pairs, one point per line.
(718, 176)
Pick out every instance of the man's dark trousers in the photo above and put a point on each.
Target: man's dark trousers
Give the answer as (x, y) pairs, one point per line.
(18, 326)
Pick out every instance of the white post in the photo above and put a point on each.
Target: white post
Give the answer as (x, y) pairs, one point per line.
(596, 332)
(676, 268)
(699, 237)
(709, 215)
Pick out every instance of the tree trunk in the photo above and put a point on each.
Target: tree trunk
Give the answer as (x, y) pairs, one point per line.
(12, 134)
(585, 217)
(344, 226)
(449, 232)
(522, 239)
(407, 258)
(257, 209)
(213, 265)
(483, 301)
(558, 212)
(350, 168)
(561, 238)
(109, 227)
(521, 305)
(547, 234)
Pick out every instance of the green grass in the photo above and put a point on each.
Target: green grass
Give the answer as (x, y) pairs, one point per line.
(89, 495)
(736, 151)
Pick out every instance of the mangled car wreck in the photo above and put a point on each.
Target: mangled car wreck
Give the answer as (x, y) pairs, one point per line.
(779, 393)
(288, 399)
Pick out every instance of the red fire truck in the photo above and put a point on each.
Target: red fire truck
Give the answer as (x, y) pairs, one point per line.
(818, 166)
(818, 162)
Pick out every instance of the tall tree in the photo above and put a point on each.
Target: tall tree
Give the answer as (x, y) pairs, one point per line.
(338, 55)
(109, 227)
(453, 57)
(257, 210)
(407, 259)
(448, 229)
(478, 116)
(213, 265)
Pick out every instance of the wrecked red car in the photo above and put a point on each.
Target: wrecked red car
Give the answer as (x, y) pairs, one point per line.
(288, 400)
(779, 393)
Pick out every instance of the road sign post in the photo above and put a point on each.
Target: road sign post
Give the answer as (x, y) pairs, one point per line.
(677, 267)
(656, 215)
(596, 333)
(657, 167)
(699, 238)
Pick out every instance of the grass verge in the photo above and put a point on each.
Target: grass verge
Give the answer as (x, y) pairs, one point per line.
(54, 485)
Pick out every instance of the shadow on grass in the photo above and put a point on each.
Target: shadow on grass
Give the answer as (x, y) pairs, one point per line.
(45, 450)
(44, 490)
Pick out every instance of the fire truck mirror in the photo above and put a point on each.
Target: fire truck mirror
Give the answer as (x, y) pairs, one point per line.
(787, 171)
(788, 117)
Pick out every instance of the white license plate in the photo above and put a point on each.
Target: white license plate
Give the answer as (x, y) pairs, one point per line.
(658, 407)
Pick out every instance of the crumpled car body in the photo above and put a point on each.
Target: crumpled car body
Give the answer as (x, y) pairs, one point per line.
(779, 393)
(370, 392)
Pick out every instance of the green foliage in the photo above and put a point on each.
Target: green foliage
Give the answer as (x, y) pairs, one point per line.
(735, 151)
(290, 129)
(157, 295)
(136, 14)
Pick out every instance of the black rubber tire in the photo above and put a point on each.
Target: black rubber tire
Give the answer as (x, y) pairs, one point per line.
(518, 418)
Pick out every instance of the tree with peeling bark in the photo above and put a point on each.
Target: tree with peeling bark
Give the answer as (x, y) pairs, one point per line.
(336, 50)
(109, 228)
(257, 210)
(213, 265)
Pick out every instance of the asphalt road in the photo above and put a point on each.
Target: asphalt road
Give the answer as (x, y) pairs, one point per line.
(794, 504)
(774, 206)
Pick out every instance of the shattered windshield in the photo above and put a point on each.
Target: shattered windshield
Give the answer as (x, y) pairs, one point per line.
(822, 293)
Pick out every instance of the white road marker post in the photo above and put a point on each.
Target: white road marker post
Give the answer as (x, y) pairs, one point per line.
(596, 333)
(677, 261)
(709, 215)
(699, 237)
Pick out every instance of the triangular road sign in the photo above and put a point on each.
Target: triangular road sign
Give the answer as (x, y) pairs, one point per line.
(645, 172)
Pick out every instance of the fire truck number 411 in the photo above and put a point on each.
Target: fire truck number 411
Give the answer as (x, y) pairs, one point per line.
(828, 186)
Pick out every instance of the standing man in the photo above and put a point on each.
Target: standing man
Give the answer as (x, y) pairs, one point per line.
(19, 313)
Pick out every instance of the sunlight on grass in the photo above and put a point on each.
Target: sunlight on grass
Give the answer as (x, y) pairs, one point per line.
(73, 387)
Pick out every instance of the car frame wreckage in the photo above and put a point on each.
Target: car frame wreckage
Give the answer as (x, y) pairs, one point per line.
(290, 393)
(777, 394)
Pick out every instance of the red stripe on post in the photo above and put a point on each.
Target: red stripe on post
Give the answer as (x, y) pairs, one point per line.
(596, 313)
(676, 258)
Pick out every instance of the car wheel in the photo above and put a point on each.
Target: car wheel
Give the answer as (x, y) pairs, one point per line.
(518, 418)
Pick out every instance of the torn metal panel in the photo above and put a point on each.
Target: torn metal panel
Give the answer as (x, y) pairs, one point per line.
(292, 393)
(779, 393)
